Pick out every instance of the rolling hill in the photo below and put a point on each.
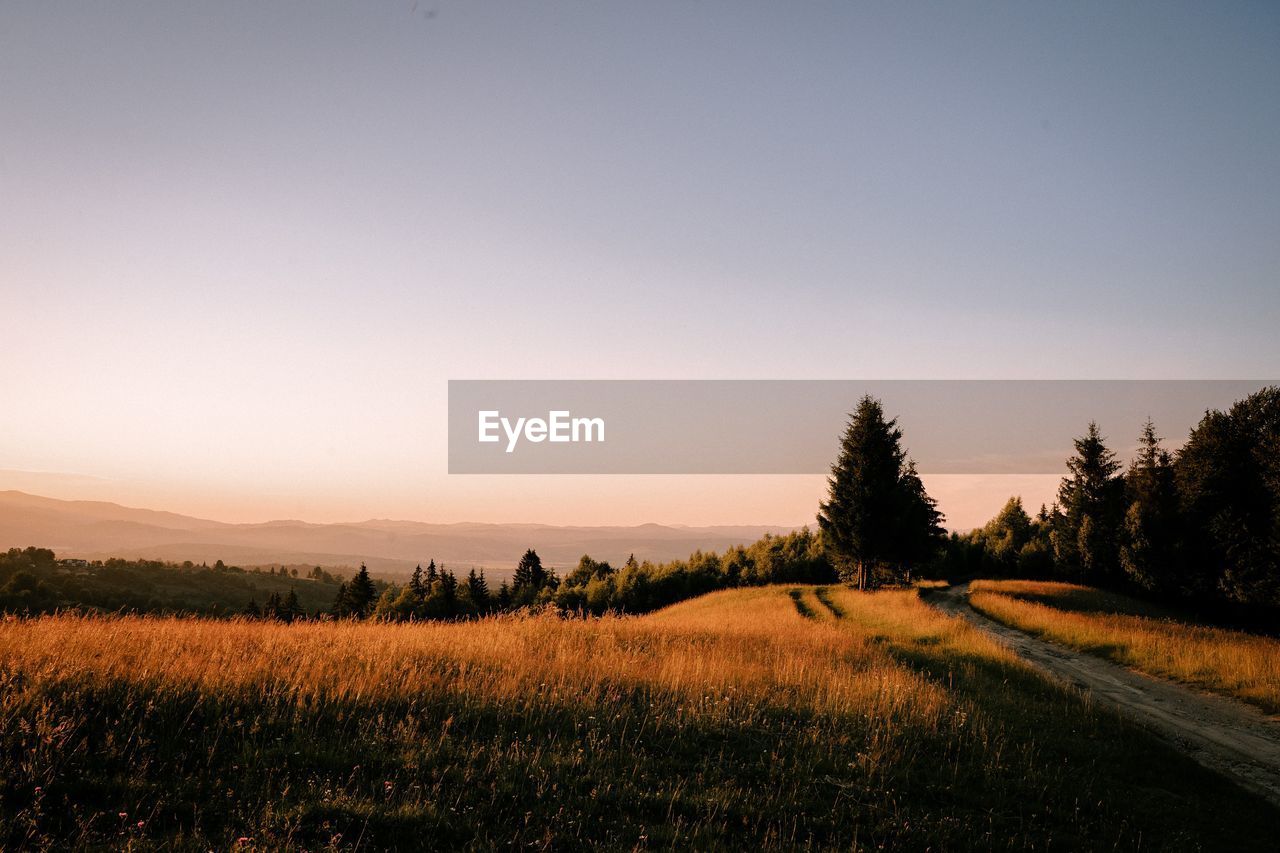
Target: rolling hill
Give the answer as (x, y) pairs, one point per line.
(98, 529)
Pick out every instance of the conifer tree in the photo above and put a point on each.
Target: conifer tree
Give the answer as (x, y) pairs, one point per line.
(920, 534)
(1087, 542)
(478, 590)
(361, 594)
(1148, 552)
(416, 583)
(449, 591)
(529, 575)
(291, 606)
(877, 516)
(432, 575)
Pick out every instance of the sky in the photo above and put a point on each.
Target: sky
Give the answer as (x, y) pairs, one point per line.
(245, 245)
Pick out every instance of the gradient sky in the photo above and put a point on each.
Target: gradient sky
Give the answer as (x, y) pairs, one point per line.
(243, 245)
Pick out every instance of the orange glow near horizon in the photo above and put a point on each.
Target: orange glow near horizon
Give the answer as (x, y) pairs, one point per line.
(968, 500)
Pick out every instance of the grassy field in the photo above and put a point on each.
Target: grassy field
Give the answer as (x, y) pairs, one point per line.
(777, 717)
(1138, 635)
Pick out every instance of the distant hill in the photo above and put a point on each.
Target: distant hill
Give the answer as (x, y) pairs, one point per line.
(33, 581)
(98, 529)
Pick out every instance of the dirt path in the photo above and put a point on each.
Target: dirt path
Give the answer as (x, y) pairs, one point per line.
(1220, 733)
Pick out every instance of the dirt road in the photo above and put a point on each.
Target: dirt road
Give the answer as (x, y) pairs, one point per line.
(1220, 733)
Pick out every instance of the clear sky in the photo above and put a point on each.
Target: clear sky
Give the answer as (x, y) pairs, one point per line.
(244, 245)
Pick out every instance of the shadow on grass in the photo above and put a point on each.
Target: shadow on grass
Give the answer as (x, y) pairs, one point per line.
(200, 772)
(1261, 620)
(802, 607)
(1094, 601)
(823, 595)
(1117, 761)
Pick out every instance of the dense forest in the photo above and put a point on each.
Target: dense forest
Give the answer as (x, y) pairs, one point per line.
(1202, 523)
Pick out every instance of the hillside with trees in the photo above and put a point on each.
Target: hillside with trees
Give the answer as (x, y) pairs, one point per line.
(1199, 524)
(33, 580)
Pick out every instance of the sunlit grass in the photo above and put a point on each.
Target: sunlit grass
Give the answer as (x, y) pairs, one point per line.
(931, 584)
(777, 717)
(1233, 663)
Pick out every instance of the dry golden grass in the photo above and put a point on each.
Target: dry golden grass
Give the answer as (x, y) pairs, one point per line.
(1233, 663)
(776, 717)
(931, 584)
(694, 656)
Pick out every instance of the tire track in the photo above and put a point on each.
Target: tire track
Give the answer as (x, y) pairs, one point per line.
(823, 594)
(802, 607)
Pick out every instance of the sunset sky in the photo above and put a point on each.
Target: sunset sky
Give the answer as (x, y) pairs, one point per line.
(244, 246)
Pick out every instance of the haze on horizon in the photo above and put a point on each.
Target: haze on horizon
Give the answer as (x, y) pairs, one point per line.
(243, 246)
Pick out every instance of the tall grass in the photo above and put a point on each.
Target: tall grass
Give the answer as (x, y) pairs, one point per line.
(727, 721)
(1232, 663)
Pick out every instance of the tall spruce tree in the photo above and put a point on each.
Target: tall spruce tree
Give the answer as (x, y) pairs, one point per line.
(361, 594)
(920, 531)
(478, 590)
(1149, 544)
(291, 607)
(1091, 498)
(529, 575)
(449, 591)
(877, 518)
(416, 584)
(340, 603)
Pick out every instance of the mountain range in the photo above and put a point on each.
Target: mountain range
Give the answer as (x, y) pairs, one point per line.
(99, 529)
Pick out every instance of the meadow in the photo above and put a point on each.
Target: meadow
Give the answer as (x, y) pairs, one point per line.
(1139, 635)
(773, 717)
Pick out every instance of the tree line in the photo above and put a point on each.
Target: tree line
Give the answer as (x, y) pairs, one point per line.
(1199, 523)
(33, 580)
(592, 587)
